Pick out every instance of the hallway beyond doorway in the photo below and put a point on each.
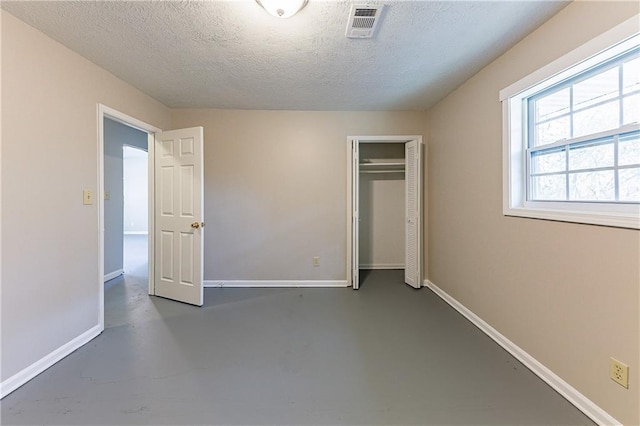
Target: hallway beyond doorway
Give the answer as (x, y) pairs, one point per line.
(127, 294)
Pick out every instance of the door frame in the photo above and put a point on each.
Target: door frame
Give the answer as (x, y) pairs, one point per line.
(103, 112)
(381, 139)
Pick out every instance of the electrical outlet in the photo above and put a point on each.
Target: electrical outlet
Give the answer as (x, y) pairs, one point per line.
(316, 261)
(619, 372)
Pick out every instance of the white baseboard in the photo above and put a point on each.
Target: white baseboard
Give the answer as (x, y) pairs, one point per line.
(112, 275)
(274, 283)
(382, 266)
(136, 233)
(570, 393)
(22, 377)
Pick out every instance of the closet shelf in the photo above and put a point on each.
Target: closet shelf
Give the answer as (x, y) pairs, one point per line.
(382, 165)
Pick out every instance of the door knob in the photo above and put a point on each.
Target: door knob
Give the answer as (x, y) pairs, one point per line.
(196, 225)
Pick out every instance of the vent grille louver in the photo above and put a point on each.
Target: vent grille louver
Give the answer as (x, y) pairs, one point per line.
(365, 12)
(363, 21)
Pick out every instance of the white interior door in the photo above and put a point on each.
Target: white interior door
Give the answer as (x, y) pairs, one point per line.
(179, 215)
(355, 215)
(412, 271)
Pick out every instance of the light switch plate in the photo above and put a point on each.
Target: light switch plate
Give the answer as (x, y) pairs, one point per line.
(87, 197)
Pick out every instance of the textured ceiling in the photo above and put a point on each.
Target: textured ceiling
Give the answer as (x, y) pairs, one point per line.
(232, 54)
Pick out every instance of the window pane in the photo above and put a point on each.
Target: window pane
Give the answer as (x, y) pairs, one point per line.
(548, 161)
(631, 76)
(551, 187)
(591, 156)
(629, 181)
(597, 119)
(592, 186)
(552, 105)
(552, 131)
(596, 89)
(631, 107)
(629, 150)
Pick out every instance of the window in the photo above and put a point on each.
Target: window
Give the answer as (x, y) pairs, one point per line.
(572, 136)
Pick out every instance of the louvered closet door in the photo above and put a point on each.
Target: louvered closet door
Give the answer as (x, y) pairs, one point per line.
(179, 215)
(412, 225)
(355, 215)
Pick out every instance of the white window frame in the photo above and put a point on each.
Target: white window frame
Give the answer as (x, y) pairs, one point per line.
(606, 46)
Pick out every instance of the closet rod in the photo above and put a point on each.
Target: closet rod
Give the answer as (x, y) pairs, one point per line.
(382, 171)
(382, 164)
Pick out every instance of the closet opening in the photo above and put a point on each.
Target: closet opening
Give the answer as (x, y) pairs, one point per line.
(382, 204)
(385, 211)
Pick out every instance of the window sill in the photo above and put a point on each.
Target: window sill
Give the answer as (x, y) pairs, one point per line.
(630, 220)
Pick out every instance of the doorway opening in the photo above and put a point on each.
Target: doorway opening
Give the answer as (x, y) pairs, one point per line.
(385, 208)
(175, 203)
(115, 131)
(126, 218)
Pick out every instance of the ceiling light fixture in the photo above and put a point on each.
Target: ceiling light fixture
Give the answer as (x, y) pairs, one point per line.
(282, 8)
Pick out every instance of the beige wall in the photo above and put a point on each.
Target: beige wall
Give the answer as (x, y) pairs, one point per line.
(275, 193)
(275, 188)
(568, 294)
(50, 283)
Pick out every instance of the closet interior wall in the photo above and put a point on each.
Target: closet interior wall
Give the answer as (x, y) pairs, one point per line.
(382, 206)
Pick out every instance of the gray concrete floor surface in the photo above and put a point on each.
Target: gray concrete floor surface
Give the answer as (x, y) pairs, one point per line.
(383, 355)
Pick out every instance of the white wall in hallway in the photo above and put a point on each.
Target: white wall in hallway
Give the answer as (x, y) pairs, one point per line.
(136, 188)
(116, 137)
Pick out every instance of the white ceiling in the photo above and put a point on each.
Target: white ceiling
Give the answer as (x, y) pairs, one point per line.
(232, 54)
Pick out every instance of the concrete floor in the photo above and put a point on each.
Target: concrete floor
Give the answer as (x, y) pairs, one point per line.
(386, 354)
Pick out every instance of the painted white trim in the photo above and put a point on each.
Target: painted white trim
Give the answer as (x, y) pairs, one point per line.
(127, 120)
(2, 385)
(351, 263)
(112, 275)
(610, 43)
(383, 266)
(617, 220)
(100, 207)
(275, 283)
(386, 139)
(136, 233)
(571, 394)
(22, 377)
(579, 56)
(151, 221)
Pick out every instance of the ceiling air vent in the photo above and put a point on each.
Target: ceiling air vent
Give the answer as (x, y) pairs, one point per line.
(363, 21)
